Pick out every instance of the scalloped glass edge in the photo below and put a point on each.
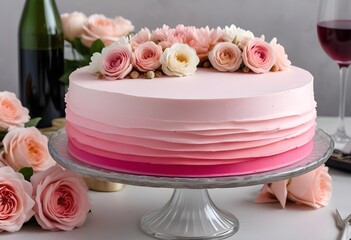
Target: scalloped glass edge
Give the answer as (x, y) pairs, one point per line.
(323, 147)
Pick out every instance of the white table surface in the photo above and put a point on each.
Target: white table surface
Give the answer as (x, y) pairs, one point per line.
(116, 215)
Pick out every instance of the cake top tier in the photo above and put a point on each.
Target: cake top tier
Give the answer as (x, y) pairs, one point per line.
(204, 84)
(180, 51)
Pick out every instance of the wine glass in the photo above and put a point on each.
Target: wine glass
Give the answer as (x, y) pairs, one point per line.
(334, 33)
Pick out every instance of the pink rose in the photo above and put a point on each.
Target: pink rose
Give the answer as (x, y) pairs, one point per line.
(116, 61)
(106, 29)
(16, 201)
(281, 58)
(72, 24)
(61, 199)
(12, 113)
(144, 35)
(225, 57)
(26, 147)
(273, 192)
(312, 189)
(258, 55)
(146, 57)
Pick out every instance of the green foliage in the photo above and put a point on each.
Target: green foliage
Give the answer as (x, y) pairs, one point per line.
(27, 172)
(82, 60)
(33, 122)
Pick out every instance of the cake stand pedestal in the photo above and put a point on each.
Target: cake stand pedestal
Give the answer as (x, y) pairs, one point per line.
(190, 213)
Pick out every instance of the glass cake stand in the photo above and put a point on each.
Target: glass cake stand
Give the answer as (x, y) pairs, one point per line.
(190, 213)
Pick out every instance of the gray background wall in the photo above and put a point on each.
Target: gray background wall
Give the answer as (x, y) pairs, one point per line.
(292, 22)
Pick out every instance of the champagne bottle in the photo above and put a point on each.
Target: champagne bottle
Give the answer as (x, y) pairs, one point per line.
(40, 38)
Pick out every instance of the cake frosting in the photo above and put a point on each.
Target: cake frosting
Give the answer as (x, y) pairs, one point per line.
(207, 124)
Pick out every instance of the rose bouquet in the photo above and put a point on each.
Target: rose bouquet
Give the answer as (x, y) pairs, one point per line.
(87, 35)
(179, 51)
(31, 183)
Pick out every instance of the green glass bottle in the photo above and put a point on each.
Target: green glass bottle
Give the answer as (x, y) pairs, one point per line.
(40, 38)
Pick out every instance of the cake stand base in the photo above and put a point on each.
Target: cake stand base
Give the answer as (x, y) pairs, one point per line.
(189, 214)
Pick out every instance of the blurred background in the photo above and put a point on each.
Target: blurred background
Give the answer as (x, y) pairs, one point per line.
(292, 22)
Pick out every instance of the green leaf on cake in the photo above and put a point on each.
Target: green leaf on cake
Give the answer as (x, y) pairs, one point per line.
(96, 46)
(27, 173)
(33, 122)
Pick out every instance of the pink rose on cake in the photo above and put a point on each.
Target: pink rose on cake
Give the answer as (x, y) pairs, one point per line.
(72, 25)
(281, 58)
(225, 57)
(144, 35)
(12, 113)
(312, 189)
(115, 61)
(61, 199)
(16, 201)
(179, 60)
(106, 29)
(258, 55)
(26, 147)
(146, 57)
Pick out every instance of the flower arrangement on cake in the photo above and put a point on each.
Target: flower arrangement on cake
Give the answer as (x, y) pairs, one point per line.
(179, 51)
(109, 48)
(31, 183)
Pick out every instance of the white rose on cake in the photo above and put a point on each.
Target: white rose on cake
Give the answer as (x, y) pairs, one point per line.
(179, 60)
(237, 35)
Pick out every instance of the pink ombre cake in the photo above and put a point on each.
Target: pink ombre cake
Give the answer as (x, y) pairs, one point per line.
(207, 124)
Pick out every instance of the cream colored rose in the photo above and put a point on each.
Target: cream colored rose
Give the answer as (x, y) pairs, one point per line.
(72, 24)
(225, 57)
(26, 147)
(179, 60)
(12, 113)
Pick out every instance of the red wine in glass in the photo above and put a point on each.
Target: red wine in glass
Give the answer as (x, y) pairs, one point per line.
(335, 38)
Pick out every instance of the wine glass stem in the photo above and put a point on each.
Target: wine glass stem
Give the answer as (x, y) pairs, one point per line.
(344, 70)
